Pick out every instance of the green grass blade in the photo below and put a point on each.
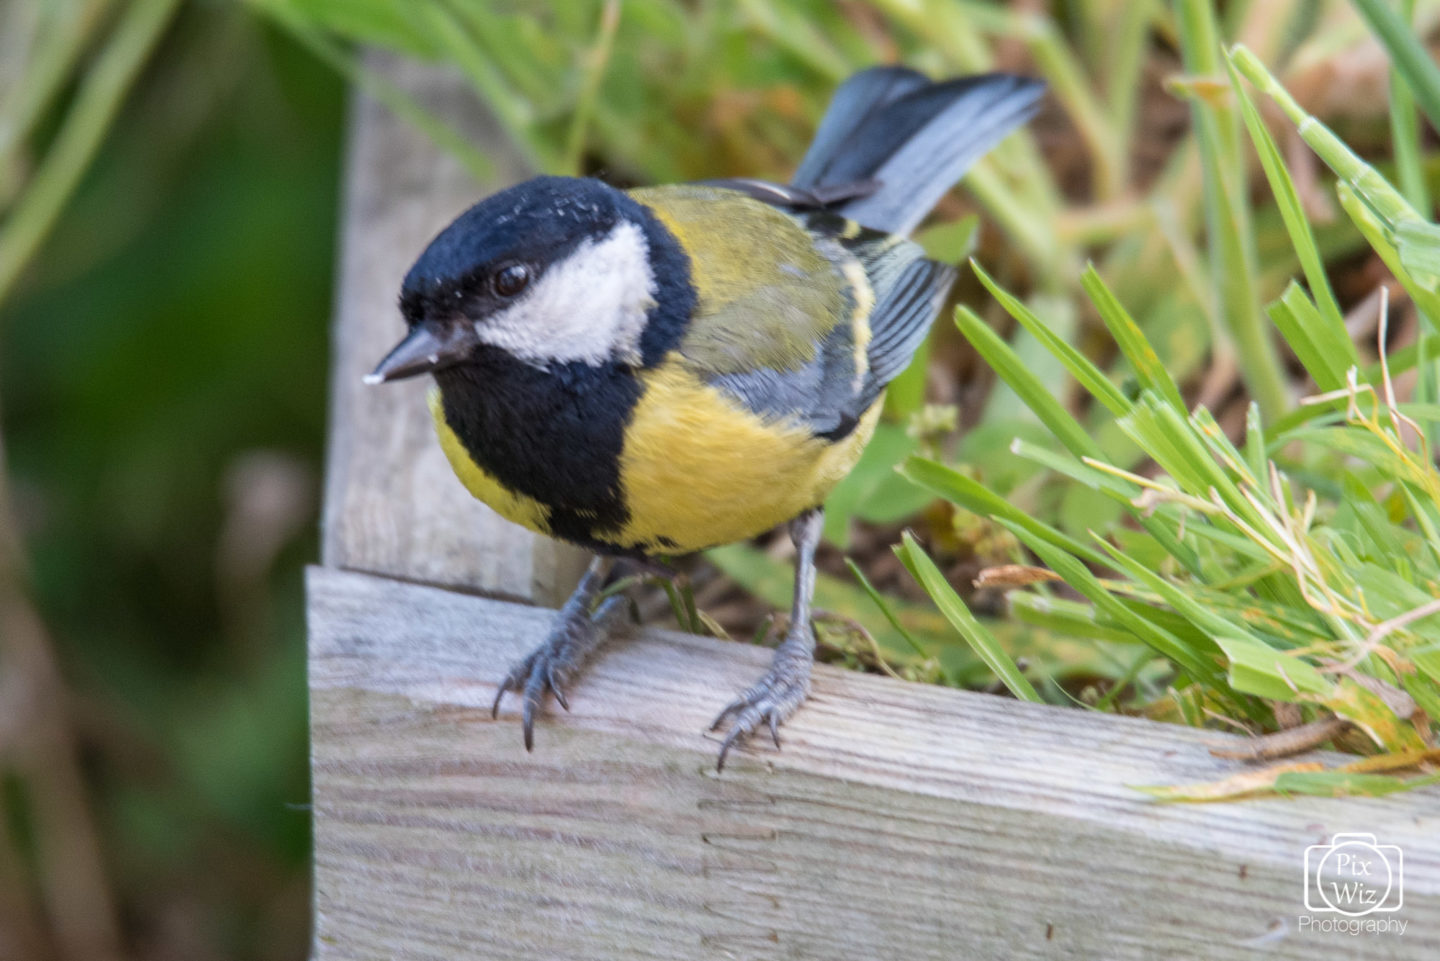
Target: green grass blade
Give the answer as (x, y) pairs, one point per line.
(514, 112)
(55, 48)
(1092, 378)
(787, 28)
(1259, 669)
(1257, 455)
(1412, 61)
(1227, 218)
(358, 23)
(1174, 442)
(1077, 576)
(1066, 617)
(1380, 236)
(1183, 602)
(1236, 544)
(928, 576)
(1057, 62)
(884, 606)
(1148, 367)
(1383, 199)
(598, 58)
(1125, 62)
(1348, 784)
(1287, 199)
(1077, 471)
(772, 581)
(1419, 246)
(1115, 488)
(1406, 134)
(975, 497)
(1013, 371)
(1325, 350)
(96, 105)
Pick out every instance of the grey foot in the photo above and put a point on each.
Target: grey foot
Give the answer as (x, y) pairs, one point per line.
(553, 665)
(773, 698)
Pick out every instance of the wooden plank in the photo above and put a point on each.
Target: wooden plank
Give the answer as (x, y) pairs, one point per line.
(900, 820)
(392, 505)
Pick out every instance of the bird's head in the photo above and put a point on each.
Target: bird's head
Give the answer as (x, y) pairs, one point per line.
(551, 271)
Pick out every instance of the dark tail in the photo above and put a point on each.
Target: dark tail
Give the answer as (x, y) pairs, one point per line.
(915, 137)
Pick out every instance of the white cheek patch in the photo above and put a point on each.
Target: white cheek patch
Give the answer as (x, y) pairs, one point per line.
(589, 307)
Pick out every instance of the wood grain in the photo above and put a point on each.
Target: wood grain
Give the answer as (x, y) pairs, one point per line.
(392, 504)
(899, 821)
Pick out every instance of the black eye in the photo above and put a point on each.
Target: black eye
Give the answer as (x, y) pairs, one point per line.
(512, 279)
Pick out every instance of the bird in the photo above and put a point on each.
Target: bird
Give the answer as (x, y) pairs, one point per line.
(655, 371)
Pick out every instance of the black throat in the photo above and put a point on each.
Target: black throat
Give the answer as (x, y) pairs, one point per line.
(555, 435)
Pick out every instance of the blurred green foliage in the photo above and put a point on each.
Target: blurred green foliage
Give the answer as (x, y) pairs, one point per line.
(163, 379)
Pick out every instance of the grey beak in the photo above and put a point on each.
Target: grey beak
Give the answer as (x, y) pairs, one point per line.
(423, 350)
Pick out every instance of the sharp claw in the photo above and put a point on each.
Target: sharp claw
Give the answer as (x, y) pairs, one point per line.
(744, 725)
(725, 749)
(499, 694)
(775, 728)
(553, 682)
(527, 723)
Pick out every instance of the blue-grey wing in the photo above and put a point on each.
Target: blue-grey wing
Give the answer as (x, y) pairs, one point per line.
(822, 393)
(832, 390)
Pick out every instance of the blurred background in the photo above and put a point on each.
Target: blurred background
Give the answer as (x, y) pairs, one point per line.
(162, 382)
(169, 180)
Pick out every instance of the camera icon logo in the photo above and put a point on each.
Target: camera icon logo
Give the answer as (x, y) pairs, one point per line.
(1354, 875)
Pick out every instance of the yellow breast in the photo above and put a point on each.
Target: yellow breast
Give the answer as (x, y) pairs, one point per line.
(699, 469)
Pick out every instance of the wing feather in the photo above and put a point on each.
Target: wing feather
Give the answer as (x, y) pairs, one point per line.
(781, 324)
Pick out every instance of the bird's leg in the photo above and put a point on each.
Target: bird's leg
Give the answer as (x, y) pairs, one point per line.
(575, 636)
(786, 684)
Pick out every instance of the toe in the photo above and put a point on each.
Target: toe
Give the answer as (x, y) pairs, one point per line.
(731, 739)
(745, 721)
(731, 708)
(534, 692)
(514, 680)
(764, 704)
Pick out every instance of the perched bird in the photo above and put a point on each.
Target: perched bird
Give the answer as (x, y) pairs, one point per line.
(655, 371)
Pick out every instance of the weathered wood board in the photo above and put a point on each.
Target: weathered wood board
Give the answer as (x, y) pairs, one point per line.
(899, 821)
(392, 504)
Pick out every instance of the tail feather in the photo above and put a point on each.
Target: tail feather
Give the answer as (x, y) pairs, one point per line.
(915, 137)
(856, 102)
